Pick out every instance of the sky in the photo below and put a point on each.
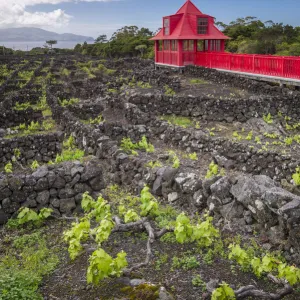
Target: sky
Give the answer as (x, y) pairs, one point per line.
(95, 17)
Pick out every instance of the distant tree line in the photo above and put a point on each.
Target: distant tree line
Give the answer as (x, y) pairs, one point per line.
(6, 51)
(250, 35)
(127, 41)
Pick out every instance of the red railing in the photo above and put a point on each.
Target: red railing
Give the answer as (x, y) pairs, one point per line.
(288, 67)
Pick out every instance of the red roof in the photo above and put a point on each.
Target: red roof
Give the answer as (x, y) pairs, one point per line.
(189, 8)
(186, 27)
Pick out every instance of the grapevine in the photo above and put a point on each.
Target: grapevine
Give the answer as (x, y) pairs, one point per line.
(99, 213)
(27, 215)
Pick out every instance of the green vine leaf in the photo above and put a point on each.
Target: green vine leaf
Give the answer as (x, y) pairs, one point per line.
(102, 265)
(149, 204)
(131, 216)
(224, 292)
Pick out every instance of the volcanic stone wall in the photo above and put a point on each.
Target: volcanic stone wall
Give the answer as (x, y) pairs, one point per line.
(226, 110)
(87, 110)
(59, 187)
(9, 118)
(40, 147)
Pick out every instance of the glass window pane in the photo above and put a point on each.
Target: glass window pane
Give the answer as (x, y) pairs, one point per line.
(166, 45)
(202, 21)
(200, 45)
(202, 25)
(191, 46)
(160, 43)
(206, 45)
(174, 45)
(166, 26)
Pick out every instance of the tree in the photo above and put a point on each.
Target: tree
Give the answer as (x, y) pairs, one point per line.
(250, 35)
(145, 32)
(101, 39)
(51, 43)
(141, 48)
(77, 48)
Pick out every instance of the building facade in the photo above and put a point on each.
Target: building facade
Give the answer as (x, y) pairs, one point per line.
(186, 36)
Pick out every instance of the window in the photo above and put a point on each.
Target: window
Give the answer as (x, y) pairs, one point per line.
(202, 25)
(174, 45)
(188, 45)
(206, 45)
(160, 45)
(166, 26)
(212, 45)
(200, 45)
(215, 45)
(166, 45)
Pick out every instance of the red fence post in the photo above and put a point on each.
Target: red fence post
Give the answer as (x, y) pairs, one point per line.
(282, 68)
(180, 58)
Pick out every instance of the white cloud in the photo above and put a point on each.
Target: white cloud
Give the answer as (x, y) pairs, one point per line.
(13, 13)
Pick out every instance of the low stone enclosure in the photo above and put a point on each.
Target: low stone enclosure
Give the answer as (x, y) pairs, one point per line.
(248, 129)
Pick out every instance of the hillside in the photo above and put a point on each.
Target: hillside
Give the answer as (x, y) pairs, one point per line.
(30, 34)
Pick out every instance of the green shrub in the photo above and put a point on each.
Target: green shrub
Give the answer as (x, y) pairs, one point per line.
(69, 155)
(268, 118)
(130, 147)
(17, 153)
(25, 75)
(174, 159)
(23, 267)
(237, 135)
(178, 121)
(144, 85)
(193, 156)
(224, 292)
(65, 72)
(169, 91)
(8, 168)
(69, 143)
(27, 215)
(65, 102)
(296, 177)
(153, 164)
(22, 106)
(33, 126)
(34, 165)
(69, 152)
(197, 81)
(19, 284)
(249, 136)
(213, 170)
(95, 121)
(144, 145)
(48, 124)
(186, 263)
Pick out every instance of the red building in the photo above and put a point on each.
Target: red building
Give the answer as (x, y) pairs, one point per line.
(190, 38)
(186, 36)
